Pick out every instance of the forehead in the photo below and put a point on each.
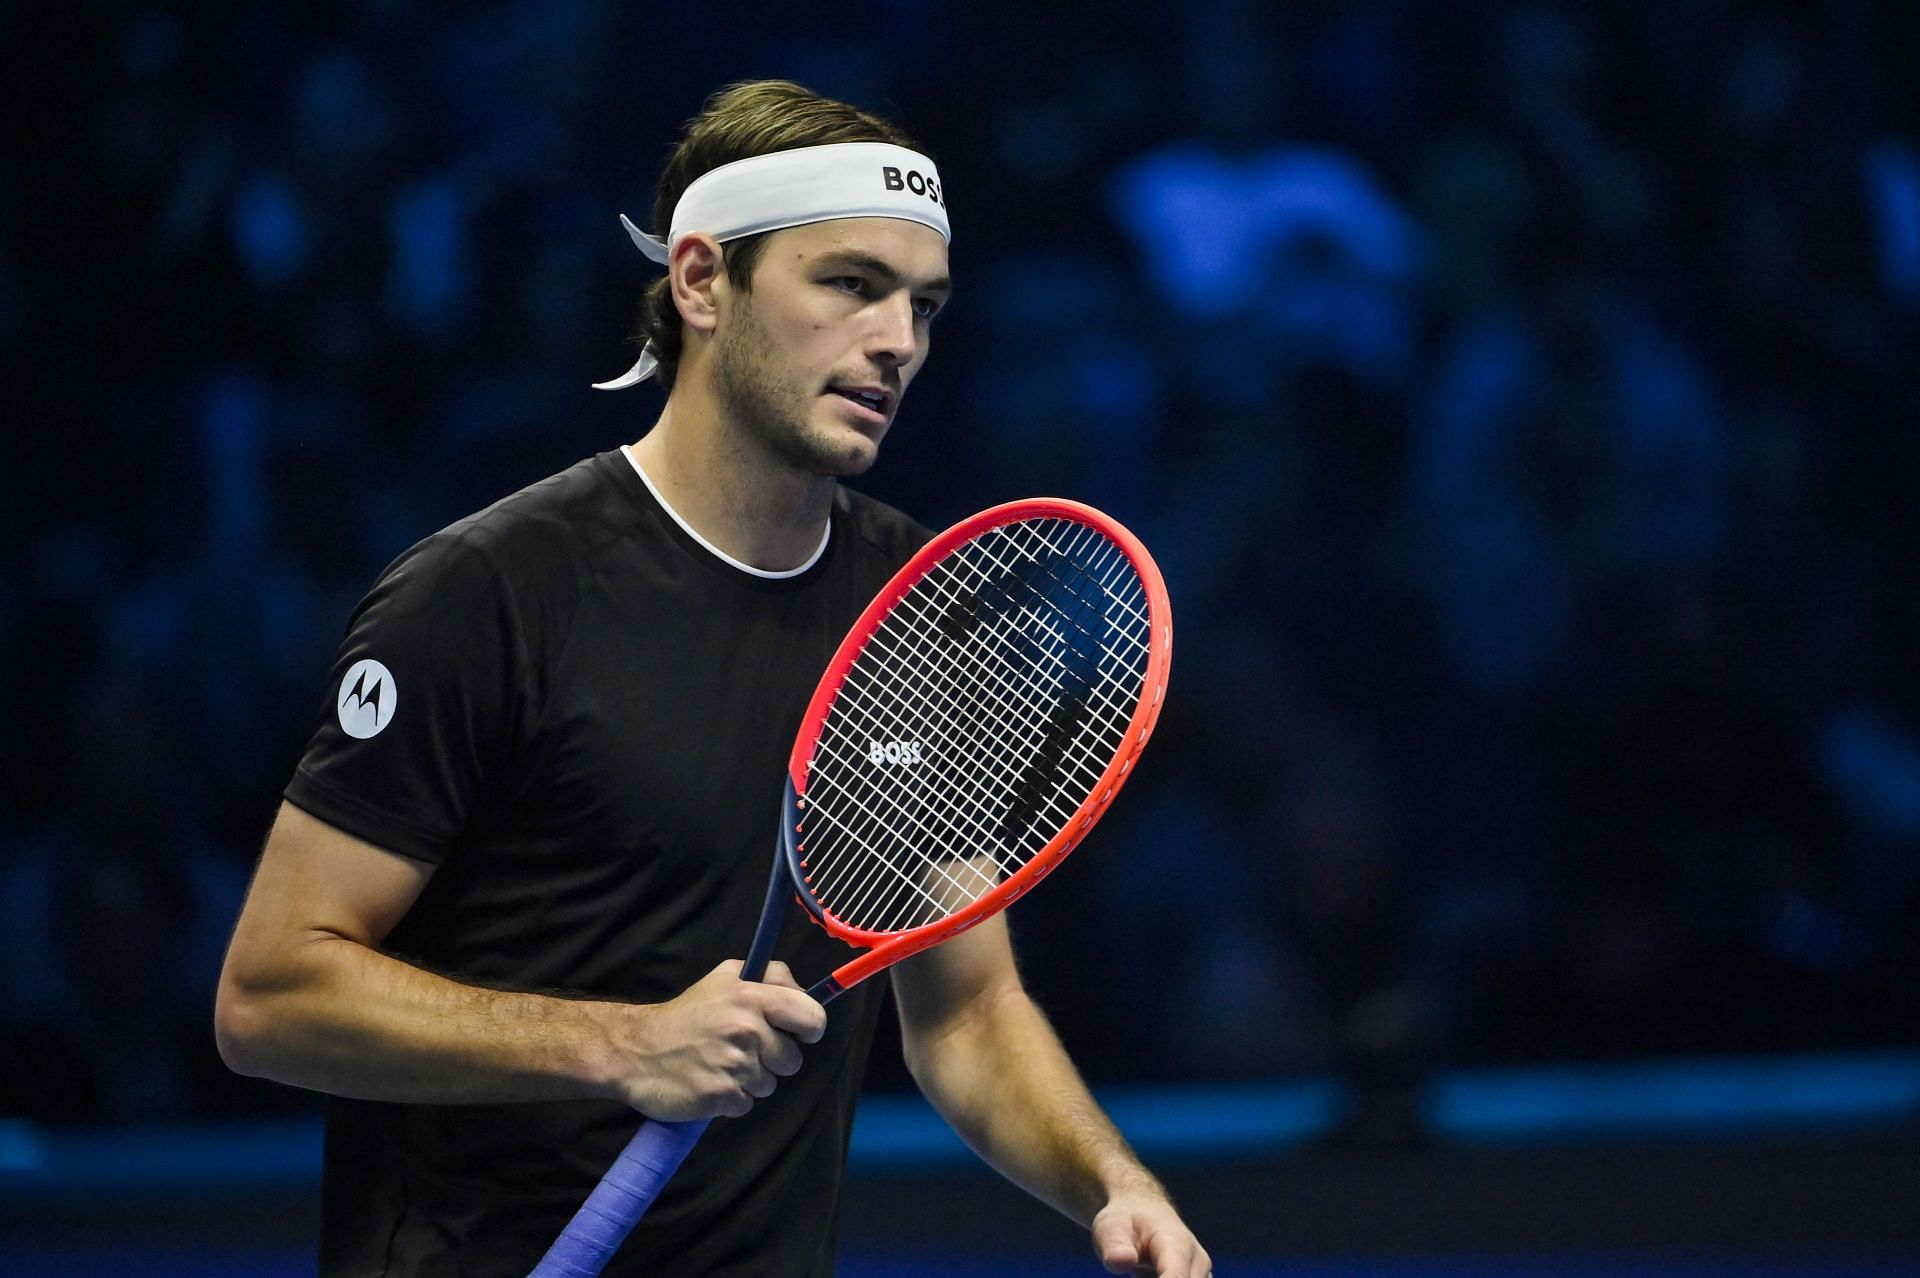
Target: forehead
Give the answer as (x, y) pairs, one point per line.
(915, 252)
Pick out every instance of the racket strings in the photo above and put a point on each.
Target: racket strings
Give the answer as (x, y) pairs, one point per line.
(933, 883)
(976, 720)
(878, 660)
(943, 703)
(922, 827)
(936, 829)
(1091, 776)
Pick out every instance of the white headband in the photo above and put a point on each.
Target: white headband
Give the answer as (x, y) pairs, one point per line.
(792, 188)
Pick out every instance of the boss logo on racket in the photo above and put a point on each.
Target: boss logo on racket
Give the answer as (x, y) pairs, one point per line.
(893, 752)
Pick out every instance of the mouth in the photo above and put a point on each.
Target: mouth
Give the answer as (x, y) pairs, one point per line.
(870, 404)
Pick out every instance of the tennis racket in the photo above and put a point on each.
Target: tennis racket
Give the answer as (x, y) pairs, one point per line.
(969, 731)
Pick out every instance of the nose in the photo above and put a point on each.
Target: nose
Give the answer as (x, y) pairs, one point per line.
(893, 339)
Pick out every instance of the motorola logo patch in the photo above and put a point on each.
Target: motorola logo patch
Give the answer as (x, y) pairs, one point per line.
(367, 699)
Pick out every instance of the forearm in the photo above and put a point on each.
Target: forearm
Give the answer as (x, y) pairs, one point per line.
(999, 1076)
(987, 1059)
(347, 1019)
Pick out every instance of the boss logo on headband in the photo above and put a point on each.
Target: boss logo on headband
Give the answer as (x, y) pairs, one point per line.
(911, 182)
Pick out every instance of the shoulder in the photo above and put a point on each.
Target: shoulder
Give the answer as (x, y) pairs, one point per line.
(578, 511)
(879, 528)
(534, 543)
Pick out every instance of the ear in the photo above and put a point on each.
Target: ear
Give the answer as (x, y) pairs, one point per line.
(699, 277)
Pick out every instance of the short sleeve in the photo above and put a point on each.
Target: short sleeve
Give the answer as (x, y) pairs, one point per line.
(424, 703)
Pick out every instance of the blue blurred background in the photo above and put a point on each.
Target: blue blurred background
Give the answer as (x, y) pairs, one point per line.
(1521, 399)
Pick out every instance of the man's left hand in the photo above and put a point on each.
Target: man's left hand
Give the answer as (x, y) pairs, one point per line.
(1141, 1234)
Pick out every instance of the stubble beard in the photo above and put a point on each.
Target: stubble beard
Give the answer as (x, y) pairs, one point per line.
(775, 414)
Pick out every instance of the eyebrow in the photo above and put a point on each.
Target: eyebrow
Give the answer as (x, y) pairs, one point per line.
(856, 260)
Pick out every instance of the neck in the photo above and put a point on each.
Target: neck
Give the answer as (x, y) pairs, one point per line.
(734, 492)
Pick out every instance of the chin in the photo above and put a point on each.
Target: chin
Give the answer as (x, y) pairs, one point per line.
(841, 451)
(852, 460)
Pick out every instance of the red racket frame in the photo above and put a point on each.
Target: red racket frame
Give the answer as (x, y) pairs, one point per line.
(883, 949)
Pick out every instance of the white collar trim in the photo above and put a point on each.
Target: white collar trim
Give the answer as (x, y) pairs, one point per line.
(626, 450)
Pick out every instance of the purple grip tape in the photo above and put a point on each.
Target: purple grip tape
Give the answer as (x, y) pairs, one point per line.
(620, 1200)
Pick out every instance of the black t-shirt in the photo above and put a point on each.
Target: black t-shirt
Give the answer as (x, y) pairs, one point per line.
(581, 715)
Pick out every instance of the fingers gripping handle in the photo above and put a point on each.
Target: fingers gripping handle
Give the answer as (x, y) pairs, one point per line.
(622, 1197)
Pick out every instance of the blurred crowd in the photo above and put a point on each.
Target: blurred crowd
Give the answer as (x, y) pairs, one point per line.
(1519, 397)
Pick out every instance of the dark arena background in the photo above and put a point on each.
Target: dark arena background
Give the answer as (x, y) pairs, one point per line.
(1522, 400)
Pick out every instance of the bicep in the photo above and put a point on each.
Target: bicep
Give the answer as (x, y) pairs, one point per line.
(317, 882)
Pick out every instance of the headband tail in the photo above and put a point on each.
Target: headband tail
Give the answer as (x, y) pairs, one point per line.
(652, 247)
(642, 369)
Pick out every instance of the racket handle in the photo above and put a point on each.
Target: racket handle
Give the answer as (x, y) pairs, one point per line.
(620, 1200)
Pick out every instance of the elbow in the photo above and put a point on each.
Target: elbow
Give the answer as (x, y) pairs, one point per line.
(931, 1035)
(931, 1051)
(920, 1048)
(264, 1010)
(915, 1060)
(239, 1027)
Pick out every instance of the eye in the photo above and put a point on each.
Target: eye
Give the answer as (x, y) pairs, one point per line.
(851, 283)
(926, 308)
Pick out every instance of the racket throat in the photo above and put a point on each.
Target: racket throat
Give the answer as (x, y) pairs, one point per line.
(767, 934)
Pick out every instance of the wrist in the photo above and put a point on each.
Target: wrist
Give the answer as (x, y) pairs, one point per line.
(1128, 1179)
(605, 1058)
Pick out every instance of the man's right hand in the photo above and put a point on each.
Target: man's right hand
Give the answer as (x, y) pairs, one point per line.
(717, 1048)
(308, 996)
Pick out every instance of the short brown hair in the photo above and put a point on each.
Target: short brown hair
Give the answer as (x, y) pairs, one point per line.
(752, 117)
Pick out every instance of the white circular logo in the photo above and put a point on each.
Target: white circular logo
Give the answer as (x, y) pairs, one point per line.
(367, 699)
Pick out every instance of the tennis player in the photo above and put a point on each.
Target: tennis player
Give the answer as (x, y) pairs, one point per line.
(502, 906)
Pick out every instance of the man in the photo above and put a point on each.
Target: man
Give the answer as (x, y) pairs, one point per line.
(552, 764)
